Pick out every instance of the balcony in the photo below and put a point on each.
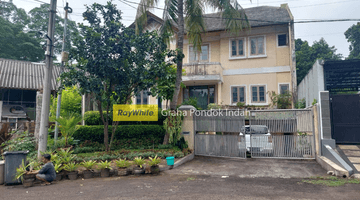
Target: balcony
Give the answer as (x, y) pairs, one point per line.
(205, 73)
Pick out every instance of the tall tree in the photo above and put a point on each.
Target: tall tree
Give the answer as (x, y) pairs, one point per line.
(39, 22)
(189, 14)
(13, 14)
(113, 62)
(307, 55)
(353, 36)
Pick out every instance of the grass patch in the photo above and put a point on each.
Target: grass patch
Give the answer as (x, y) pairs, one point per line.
(190, 179)
(330, 181)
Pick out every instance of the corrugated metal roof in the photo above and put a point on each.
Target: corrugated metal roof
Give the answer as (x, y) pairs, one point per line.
(17, 74)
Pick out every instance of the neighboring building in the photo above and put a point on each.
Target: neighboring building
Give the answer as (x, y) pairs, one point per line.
(341, 79)
(243, 68)
(19, 83)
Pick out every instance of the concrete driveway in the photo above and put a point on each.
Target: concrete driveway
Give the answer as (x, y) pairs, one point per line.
(250, 168)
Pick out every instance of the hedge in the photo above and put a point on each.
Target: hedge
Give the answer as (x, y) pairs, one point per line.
(94, 118)
(96, 133)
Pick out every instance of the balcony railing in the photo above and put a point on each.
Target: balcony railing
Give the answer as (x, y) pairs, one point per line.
(203, 69)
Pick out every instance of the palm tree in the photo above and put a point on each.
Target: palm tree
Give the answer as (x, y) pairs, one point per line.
(67, 125)
(192, 10)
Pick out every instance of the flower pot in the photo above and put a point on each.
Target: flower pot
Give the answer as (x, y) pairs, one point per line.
(28, 182)
(123, 171)
(72, 175)
(155, 169)
(58, 177)
(139, 171)
(29, 176)
(170, 160)
(88, 174)
(105, 173)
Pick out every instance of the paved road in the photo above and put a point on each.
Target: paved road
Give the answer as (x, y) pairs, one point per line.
(168, 186)
(250, 168)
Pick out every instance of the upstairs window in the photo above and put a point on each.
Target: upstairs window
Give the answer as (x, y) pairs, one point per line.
(237, 48)
(195, 56)
(282, 40)
(257, 46)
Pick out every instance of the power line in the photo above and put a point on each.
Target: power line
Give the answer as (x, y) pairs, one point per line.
(320, 4)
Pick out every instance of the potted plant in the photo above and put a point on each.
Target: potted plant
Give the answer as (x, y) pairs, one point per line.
(72, 173)
(139, 169)
(58, 168)
(104, 167)
(154, 165)
(21, 173)
(123, 167)
(88, 173)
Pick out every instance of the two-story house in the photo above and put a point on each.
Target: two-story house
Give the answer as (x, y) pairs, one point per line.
(238, 68)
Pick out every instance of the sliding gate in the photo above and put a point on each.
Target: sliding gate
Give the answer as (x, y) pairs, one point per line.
(291, 134)
(208, 138)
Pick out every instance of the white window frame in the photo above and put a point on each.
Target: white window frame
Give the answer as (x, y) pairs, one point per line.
(277, 40)
(237, 48)
(245, 91)
(266, 95)
(286, 83)
(188, 59)
(249, 47)
(141, 96)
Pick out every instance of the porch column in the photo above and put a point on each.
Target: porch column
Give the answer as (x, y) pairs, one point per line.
(218, 99)
(188, 126)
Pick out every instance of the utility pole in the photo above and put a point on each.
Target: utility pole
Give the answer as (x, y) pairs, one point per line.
(44, 121)
(63, 60)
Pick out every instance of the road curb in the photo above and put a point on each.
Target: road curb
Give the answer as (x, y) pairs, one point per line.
(179, 162)
(329, 165)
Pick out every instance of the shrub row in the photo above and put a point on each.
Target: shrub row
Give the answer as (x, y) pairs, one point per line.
(94, 118)
(96, 133)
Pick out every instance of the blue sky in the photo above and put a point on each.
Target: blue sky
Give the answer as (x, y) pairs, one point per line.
(332, 32)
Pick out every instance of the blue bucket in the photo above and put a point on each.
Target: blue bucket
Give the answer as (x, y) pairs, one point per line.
(170, 160)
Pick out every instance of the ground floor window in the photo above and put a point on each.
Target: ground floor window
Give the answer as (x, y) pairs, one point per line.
(238, 94)
(284, 88)
(258, 94)
(142, 97)
(204, 94)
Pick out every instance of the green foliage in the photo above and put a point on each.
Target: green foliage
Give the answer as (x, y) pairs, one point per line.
(307, 55)
(66, 156)
(139, 161)
(300, 104)
(172, 126)
(314, 102)
(112, 62)
(96, 133)
(213, 106)
(21, 170)
(70, 167)
(58, 167)
(192, 101)
(122, 163)
(154, 161)
(70, 103)
(88, 164)
(353, 37)
(67, 125)
(281, 101)
(22, 141)
(240, 104)
(182, 144)
(60, 142)
(104, 165)
(94, 118)
(331, 181)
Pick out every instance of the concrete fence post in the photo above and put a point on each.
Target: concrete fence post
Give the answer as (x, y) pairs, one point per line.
(188, 125)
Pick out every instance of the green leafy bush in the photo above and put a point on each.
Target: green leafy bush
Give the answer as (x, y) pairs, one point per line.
(122, 163)
(94, 118)
(301, 103)
(96, 133)
(23, 141)
(191, 101)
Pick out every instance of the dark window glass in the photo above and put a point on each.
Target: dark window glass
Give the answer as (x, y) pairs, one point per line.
(262, 93)
(211, 94)
(138, 98)
(241, 47)
(254, 94)
(242, 94)
(282, 41)
(15, 95)
(235, 94)
(29, 96)
(284, 88)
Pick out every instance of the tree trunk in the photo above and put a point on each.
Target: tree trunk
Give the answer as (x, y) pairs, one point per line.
(38, 116)
(180, 46)
(114, 127)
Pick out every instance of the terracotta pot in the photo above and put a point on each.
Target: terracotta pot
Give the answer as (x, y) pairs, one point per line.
(29, 176)
(105, 173)
(155, 169)
(72, 175)
(88, 174)
(123, 171)
(28, 182)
